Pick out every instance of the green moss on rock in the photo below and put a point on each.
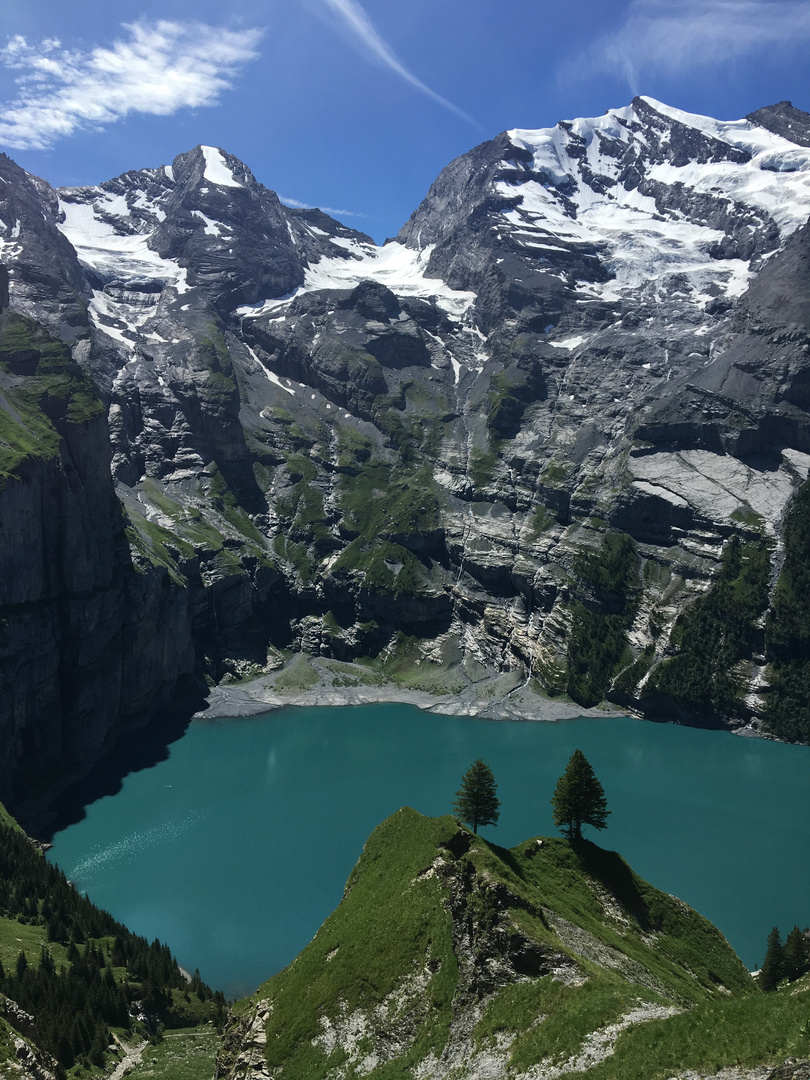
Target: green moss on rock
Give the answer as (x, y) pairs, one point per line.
(42, 391)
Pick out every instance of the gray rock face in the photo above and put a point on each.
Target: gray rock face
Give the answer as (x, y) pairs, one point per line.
(46, 278)
(317, 443)
(783, 119)
(89, 644)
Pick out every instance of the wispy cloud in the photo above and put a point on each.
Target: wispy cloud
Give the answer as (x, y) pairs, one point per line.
(677, 36)
(158, 68)
(355, 19)
(296, 204)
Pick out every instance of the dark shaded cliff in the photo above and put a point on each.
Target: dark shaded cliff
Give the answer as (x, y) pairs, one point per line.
(90, 642)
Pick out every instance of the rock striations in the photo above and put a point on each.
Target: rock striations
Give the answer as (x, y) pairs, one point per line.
(551, 430)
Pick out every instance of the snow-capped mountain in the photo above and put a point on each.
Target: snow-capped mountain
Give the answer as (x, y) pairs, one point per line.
(635, 197)
(584, 331)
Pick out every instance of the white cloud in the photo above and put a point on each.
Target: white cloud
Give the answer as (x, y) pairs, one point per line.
(296, 204)
(677, 36)
(159, 68)
(354, 18)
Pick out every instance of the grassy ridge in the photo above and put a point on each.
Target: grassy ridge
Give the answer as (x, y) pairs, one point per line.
(745, 1031)
(345, 968)
(430, 912)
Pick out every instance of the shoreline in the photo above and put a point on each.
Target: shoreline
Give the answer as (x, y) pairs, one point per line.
(314, 682)
(497, 696)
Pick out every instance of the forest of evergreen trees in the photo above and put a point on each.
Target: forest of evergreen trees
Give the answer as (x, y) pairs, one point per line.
(716, 631)
(785, 961)
(787, 631)
(598, 641)
(105, 978)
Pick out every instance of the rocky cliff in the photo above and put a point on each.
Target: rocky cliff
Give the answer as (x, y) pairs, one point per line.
(449, 956)
(92, 637)
(552, 429)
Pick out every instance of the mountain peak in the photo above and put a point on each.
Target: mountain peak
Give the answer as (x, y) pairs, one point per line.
(211, 165)
(785, 120)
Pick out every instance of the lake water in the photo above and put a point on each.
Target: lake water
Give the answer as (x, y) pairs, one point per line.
(236, 847)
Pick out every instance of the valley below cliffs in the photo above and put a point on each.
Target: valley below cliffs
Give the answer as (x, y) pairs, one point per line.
(545, 451)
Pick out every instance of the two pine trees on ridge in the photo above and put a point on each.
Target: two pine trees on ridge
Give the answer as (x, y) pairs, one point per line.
(578, 799)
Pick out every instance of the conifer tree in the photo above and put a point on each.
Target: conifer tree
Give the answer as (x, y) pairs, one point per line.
(796, 954)
(773, 966)
(579, 798)
(476, 802)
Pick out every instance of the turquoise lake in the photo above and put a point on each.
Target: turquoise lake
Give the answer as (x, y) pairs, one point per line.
(236, 847)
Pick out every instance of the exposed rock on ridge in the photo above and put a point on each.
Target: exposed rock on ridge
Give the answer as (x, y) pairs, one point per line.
(450, 957)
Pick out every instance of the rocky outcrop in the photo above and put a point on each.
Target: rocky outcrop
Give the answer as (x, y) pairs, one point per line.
(452, 957)
(785, 120)
(242, 1051)
(793, 1069)
(22, 1058)
(46, 278)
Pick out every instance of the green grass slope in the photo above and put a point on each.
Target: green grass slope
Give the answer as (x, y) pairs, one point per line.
(448, 953)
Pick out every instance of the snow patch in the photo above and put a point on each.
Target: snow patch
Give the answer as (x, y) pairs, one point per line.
(639, 245)
(271, 375)
(216, 168)
(114, 255)
(399, 268)
(106, 315)
(570, 343)
(11, 246)
(212, 228)
(115, 204)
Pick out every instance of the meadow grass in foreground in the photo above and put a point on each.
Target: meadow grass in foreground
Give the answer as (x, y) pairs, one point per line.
(180, 1055)
(746, 1030)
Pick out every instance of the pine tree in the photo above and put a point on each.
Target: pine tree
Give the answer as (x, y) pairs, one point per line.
(476, 801)
(773, 966)
(22, 965)
(579, 798)
(796, 954)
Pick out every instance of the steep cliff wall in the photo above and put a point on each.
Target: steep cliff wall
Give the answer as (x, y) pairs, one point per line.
(89, 642)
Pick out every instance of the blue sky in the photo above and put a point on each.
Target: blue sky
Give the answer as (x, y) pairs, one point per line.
(356, 105)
